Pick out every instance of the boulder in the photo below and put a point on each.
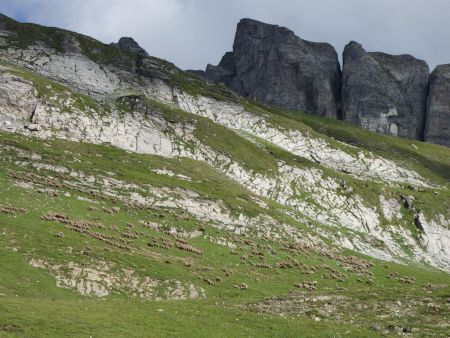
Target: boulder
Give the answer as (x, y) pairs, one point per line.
(437, 128)
(384, 93)
(33, 127)
(18, 97)
(271, 64)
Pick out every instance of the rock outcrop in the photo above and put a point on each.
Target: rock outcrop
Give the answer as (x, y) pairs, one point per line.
(384, 93)
(129, 45)
(271, 64)
(18, 98)
(437, 128)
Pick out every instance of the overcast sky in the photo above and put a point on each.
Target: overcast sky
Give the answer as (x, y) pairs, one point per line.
(192, 33)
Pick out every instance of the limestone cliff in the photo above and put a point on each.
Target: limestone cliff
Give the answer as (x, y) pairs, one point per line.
(438, 110)
(272, 65)
(384, 93)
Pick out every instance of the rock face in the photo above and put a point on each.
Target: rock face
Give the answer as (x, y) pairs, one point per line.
(128, 44)
(384, 93)
(437, 128)
(18, 100)
(272, 65)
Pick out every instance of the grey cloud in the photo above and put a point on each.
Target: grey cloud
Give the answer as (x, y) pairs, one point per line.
(192, 33)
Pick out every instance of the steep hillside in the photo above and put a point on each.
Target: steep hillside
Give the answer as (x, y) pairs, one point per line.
(129, 188)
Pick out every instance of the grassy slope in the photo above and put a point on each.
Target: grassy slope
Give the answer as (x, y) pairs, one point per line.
(29, 296)
(261, 157)
(428, 159)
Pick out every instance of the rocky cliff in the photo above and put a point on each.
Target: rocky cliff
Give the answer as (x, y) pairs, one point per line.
(128, 44)
(384, 93)
(438, 109)
(272, 65)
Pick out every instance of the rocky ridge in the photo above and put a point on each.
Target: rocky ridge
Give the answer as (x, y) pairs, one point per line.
(383, 93)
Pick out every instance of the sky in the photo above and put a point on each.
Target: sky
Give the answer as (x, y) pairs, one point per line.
(193, 33)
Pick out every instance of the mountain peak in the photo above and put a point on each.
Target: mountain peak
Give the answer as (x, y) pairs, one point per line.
(128, 44)
(269, 63)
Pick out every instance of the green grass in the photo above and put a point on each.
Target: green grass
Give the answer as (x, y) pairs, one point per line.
(27, 34)
(32, 305)
(196, 86)
(75, 318)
